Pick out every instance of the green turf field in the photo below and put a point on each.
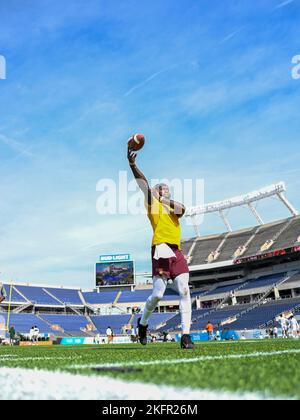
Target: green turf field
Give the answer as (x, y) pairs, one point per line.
(270, 368)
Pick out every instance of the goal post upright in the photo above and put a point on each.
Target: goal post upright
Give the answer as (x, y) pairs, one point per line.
(9, 307)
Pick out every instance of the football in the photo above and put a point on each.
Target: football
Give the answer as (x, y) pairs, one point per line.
(136, 142)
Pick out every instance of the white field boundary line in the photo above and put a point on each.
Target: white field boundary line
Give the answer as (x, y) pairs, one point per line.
(28, 384)
(191, 360)
(7, 356)
(32, 359)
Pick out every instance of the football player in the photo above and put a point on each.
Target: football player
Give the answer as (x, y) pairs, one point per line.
(168, 261)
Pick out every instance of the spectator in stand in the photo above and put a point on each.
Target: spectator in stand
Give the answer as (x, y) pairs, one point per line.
(210, 330)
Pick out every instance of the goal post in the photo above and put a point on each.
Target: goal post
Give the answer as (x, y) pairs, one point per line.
(9, 307)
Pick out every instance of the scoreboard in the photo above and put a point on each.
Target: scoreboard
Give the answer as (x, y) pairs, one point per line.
(115, 271)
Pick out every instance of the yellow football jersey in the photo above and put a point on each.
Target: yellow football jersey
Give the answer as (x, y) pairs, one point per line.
(165, 224)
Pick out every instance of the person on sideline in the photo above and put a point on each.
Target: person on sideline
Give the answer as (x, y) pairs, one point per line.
(210, 330)
(110, 335)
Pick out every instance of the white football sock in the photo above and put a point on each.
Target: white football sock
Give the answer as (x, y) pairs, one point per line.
(181, 283)
(159, 288)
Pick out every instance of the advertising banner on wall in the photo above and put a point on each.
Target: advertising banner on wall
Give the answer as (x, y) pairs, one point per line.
(99, 339)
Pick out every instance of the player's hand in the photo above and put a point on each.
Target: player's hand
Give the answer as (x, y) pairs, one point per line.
(131, 157)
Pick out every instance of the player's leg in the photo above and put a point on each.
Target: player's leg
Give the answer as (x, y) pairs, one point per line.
(181, 284)
(159, 288)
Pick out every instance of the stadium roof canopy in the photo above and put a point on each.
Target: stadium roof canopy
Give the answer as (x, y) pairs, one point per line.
(275, 190)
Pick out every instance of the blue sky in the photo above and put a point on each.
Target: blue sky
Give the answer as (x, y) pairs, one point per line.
(208, 82)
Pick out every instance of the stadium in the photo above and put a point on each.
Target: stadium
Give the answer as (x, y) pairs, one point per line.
(242, 282)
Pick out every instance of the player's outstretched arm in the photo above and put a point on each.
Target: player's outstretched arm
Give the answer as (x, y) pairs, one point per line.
(139, 176)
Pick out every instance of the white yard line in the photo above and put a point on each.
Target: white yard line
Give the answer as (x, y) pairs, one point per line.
(188, 360)
(27, 384)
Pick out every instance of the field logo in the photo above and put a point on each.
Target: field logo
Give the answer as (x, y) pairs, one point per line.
(296, 68)
(2, 67)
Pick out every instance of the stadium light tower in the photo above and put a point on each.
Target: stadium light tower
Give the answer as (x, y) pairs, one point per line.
(275, 190)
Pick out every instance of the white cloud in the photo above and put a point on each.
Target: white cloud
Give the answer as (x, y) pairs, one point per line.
(16, 146)
(231, 36)
(284, 4)
(148, 80)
